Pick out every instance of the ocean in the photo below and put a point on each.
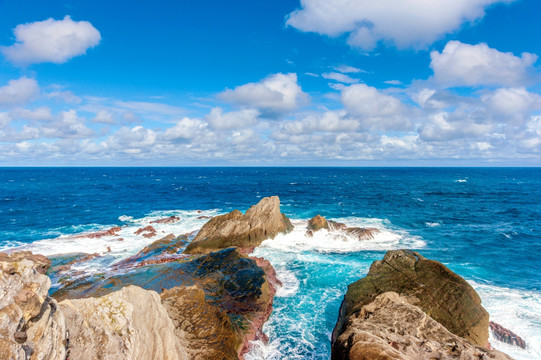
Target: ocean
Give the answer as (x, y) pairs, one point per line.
(483, 223)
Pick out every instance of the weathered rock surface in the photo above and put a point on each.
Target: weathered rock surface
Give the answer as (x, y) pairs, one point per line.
(318, 222)
(30, 324)
(507, 336)
(127, 324)
(440, 293)
(391, 328)
(168, 220)
(232, 282)
(130, 323)
(207, 330)
(260, 222)
(147, 231)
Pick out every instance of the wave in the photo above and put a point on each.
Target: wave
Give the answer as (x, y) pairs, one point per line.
(516, 310)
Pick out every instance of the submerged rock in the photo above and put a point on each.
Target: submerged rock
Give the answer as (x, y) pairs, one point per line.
(260, 222)
(390, 327)
(318, 222)
(507, 336)
(168, 220)
(441, 294)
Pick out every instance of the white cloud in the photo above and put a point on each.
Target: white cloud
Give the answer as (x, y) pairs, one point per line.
(51, 40)
(275, 94)
(462, 64)
(346, 69)
(39, 114)
(5, 119)
(66, 96)
(376, 109)
(18, 92)
(219, 120)
(104, 117)
(329, 121)
(343, 78)
(393, 82)
(151, 107)
(132, 140)
(441, 128)
(512, 101)
(184, 129)
(68, 126)
(405, 23)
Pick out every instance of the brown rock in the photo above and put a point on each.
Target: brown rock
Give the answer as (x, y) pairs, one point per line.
(439, 292)
(98, 234)
(147, 231)
(362, 233)
(507, 336)
(390, 327)
(168, 220)
(318, 222)
(261, 222)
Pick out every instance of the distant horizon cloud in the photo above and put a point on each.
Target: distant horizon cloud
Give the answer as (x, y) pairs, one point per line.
(405, 23)
(54, 41)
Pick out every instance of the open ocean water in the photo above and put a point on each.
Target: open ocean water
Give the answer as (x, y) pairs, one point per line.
(483, 223)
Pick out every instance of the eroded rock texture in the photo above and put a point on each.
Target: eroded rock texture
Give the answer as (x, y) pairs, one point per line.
(440, 293)
(391, 328)
(318, 222)
(260, 222)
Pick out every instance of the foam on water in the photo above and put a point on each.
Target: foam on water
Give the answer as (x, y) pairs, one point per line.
(338, 241)
(518, 311)
(111, 248)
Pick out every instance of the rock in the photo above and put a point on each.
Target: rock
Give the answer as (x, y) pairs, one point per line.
(29, 321)
(96, 235)
(390, 327)
(127, 324)
(260, 222)
(362, 233)
(208, 331)
(147, 231)
(231, 281)
(318, 222)
(507, 336)
(159, 251)
(168, 220)
(442, 294)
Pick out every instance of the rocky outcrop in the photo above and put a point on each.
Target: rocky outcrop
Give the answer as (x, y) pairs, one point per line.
(507, 336)
(127, 324)
(168, 220)
(260, 222)
(232, 282)
(130, 323)
(441, 294)
(147, 231)
(390, 327)
(318, 222)
(30, 323)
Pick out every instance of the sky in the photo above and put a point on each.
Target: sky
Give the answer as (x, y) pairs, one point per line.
(270, 83)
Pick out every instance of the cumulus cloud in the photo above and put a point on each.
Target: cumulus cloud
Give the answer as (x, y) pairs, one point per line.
(343, 78)
(275, 94)
(405, 23)
(18, 92)
(329, 121)
(184, 130)
(68, 125)
(219, 120)
(132, 140)
(66, 96)
(39, 114)
(442, 127)
(375, 109)
(512, 101)
(55, 41)
(462, 64)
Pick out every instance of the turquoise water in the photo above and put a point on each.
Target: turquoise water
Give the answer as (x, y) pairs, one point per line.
(485, 224)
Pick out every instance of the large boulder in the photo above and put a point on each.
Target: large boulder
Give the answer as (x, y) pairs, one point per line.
(391, 328)
(260, 222)
(130, 323)
(440, 293)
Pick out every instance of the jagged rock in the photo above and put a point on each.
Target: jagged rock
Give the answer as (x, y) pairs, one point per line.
(147, 231)
(230, 280)
(391, 328)
(442, 294)
(318, 222)
(168, 220)
(507, 336)
(29, 321)
(362, 233)
(161, 250)
(260, 222)
(96, 235)
(208, 331)
(127, 324)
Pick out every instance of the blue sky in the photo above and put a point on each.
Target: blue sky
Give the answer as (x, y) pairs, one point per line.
(315, 82)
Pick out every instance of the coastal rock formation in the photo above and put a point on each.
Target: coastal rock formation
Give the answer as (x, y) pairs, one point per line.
(318, 222)
(147, 231)
(130, 323)
(507, 336)
(231, 281)
(391, 328)
(260, 222)
(429, 285)
(30, 323)
(208, 331)
(168, 220)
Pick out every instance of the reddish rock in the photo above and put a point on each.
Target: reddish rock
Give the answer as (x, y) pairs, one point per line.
(147, 232)
(507, 336)
(96, 235)
(168, 220)
(204, 217)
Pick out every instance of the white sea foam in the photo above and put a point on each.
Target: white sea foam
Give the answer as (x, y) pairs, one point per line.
(432, 224)
(461, 180)
(338, 241)
(290, 283)
(518, 311)
(73, 240)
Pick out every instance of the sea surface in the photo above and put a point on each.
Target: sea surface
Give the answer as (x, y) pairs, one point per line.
(483, 223)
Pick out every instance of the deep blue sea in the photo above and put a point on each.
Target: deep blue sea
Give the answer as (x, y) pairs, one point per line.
(483, 223)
